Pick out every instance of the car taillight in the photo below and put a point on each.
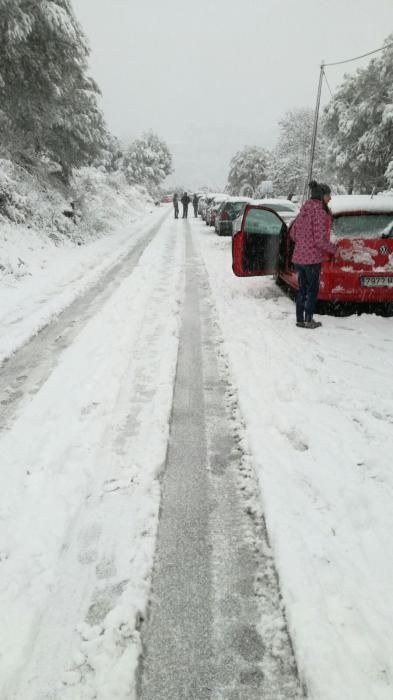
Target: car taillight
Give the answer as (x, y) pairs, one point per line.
(225, 216)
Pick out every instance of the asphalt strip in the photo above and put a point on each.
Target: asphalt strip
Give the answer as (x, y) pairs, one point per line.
(216, 628)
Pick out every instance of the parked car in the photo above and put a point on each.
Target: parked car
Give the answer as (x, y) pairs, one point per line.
(362, 269)
(205, 204)
(167, 198)
(201, 204)
(287, 209)
(211, 210)
(229, 210)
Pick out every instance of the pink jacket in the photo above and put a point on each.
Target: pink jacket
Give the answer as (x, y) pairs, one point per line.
(310, 232)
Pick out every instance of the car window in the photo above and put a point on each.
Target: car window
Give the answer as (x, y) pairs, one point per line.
(362, 225)
(261, 221)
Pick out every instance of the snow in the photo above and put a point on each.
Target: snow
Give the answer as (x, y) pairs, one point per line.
(82, 461)
(318, 412)
(81, 494)
(359, 253)
(42, 273)
(279, 202)
(360, 202)
(220, 197)
(234, 200)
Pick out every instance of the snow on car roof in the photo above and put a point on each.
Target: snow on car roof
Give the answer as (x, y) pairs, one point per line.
(235, 200)
(219, 197)
(284, 202)
(342, 203)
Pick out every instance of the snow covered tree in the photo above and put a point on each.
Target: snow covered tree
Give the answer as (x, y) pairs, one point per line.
(111, 157)
(359, 125)
(147, 161)
(48, 104)
(248, 169)
(290, 158)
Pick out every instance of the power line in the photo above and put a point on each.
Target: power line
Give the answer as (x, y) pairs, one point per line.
(322, 75)
(356, 58)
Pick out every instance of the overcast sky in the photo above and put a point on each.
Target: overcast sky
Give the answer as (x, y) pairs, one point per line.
(214, 75)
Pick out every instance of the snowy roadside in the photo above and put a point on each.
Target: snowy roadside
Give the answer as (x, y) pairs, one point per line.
(52, 276)
(81, 494)
(319, 414)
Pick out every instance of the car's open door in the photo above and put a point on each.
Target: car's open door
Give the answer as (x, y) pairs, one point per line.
(256, 247)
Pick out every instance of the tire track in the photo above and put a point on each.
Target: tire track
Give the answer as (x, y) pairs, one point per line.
(22, 374)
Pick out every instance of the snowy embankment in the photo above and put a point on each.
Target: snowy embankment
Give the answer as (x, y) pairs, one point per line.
(319, 414)
(81, 494)
(46, 261)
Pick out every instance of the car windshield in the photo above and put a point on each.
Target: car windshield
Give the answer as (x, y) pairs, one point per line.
(362, 225)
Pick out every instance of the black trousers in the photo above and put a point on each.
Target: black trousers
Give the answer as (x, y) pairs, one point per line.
(176, 208)
(185, 211)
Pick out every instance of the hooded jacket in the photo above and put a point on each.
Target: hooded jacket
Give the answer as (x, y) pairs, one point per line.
(310, 233)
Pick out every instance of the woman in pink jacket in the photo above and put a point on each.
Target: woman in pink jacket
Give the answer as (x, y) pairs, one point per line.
(310, 232)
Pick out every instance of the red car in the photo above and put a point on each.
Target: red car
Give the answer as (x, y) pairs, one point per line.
(361, 271)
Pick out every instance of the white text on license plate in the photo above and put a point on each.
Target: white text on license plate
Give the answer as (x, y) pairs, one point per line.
(376, 281)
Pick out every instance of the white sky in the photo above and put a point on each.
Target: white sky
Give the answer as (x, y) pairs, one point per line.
(212, 76)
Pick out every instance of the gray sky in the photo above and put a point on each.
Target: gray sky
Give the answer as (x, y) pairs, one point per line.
(214, 75)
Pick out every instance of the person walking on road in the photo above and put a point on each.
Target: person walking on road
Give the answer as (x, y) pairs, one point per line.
(310, 232)
(195, 205)
(185, 200)
(176, 205)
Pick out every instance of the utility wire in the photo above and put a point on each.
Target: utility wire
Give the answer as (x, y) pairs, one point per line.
(349, 60)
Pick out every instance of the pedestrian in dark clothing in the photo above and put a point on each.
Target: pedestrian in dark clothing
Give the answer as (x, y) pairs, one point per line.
(195, 205)
(311, 232)
(176, 205)
(185, 200)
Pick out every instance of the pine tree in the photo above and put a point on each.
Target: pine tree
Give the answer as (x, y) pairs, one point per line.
(48, 104)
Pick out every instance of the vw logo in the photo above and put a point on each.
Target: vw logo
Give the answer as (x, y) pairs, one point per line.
(384, 250)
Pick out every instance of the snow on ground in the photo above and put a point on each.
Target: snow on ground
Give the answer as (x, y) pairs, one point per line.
(42, 274)
(80, 486)
(319, 414)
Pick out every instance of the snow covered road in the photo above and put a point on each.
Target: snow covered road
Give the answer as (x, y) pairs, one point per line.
(318, 412)
(80, 492)
(291, 428)
(216, 628)
(41, 353)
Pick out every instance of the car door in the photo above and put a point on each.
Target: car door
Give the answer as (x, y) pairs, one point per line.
(256, 247)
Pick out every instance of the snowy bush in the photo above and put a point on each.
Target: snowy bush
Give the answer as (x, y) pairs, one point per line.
(147, 162)
(248, 168)
(102, 198)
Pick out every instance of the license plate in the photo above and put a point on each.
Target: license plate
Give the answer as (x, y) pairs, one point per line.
(376, 281)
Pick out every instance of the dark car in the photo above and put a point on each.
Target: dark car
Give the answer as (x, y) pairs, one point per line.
(227, 212)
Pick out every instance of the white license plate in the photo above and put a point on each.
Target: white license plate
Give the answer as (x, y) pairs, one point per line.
(376, 281)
